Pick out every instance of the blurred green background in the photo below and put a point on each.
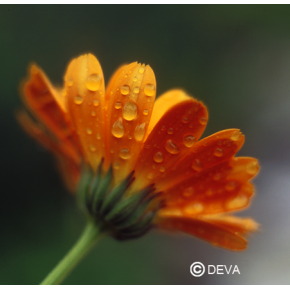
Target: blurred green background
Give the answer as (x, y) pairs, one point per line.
(235, 58)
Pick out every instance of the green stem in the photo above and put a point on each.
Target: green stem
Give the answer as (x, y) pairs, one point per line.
(84, 243)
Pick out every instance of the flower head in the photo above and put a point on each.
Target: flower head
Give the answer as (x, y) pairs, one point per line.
(144, 163)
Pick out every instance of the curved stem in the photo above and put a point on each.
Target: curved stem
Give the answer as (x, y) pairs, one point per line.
(84, 243)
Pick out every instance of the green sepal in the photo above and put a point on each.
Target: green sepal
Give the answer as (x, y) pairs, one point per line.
(84, 184)
(102, 189)
(125, 208)
(115, 195)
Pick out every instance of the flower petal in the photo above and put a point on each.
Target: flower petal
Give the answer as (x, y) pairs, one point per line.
(85, 95)
(206, 153)
(48, 105)
(170, 139)
(220, 188)
(216, 234)
(164, 103)
(130, 98)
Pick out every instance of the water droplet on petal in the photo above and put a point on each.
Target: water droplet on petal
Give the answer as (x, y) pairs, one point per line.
(99, 136)
(116, 165)
(89, 131)
(136, 90)
(163, 128)
(93, 113)
(70, 83)
(129, 111)
(134, 79)
(194, 208)
(158, 157)
(218, 152)
(118, 105)
(188, 140)
(139, 132)
(150, 176)
(196, 165)
(185, 120)
(125, 153)
(236, 136)
(93, 82)
(149, 90)
(217, 176)
(202, 121)
(96, 103)
(252, 168)
(170, 131)
(118, 129)
(78, 100)
(125, 90)
(93, 148)
(171, 147)
(141, 70)
(162, 169)
(230, 186)
(188, 191)
(237, 202)
(145, 112)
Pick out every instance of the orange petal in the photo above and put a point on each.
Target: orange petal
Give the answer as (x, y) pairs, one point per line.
(85, 94)
(202, 155)
(47, 104)
(235, 224)
(217, 235)
(131, 96)
(220, 188)
(164, 103)
(170, 139)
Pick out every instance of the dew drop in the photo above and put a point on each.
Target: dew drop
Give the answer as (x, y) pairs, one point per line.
(217, 176)
(237, 202)
(136, 90)
(194, 208)
(78, 100)
(118, 105)
(70, 83)
(185, 120)
(99, 136)
(202, 121)
(125, 153)
(171, 147)
(170, 131)
(89, 131)
(252, 168)
(218, 152)
(236, 136)
(134, 79)
(230, 186)
(158, 157)
(116, 165)
(162, 169)
(125, 90)
(93, 148)
(149, 90)
(196, 165)
(129, 111)
(129, 137)
(139, 132)
(145, 112)
(93, 113)
(118, 129)
(188, 191)
(141, 70)
(96, 103)
(150, 176)
(93, 82)
(188, 140)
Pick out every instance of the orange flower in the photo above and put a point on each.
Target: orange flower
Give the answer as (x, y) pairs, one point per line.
(197, 182)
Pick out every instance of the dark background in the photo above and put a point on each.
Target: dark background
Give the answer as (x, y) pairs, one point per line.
(235, 58)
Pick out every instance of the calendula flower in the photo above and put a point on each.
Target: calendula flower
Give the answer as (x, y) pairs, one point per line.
(136, 163)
